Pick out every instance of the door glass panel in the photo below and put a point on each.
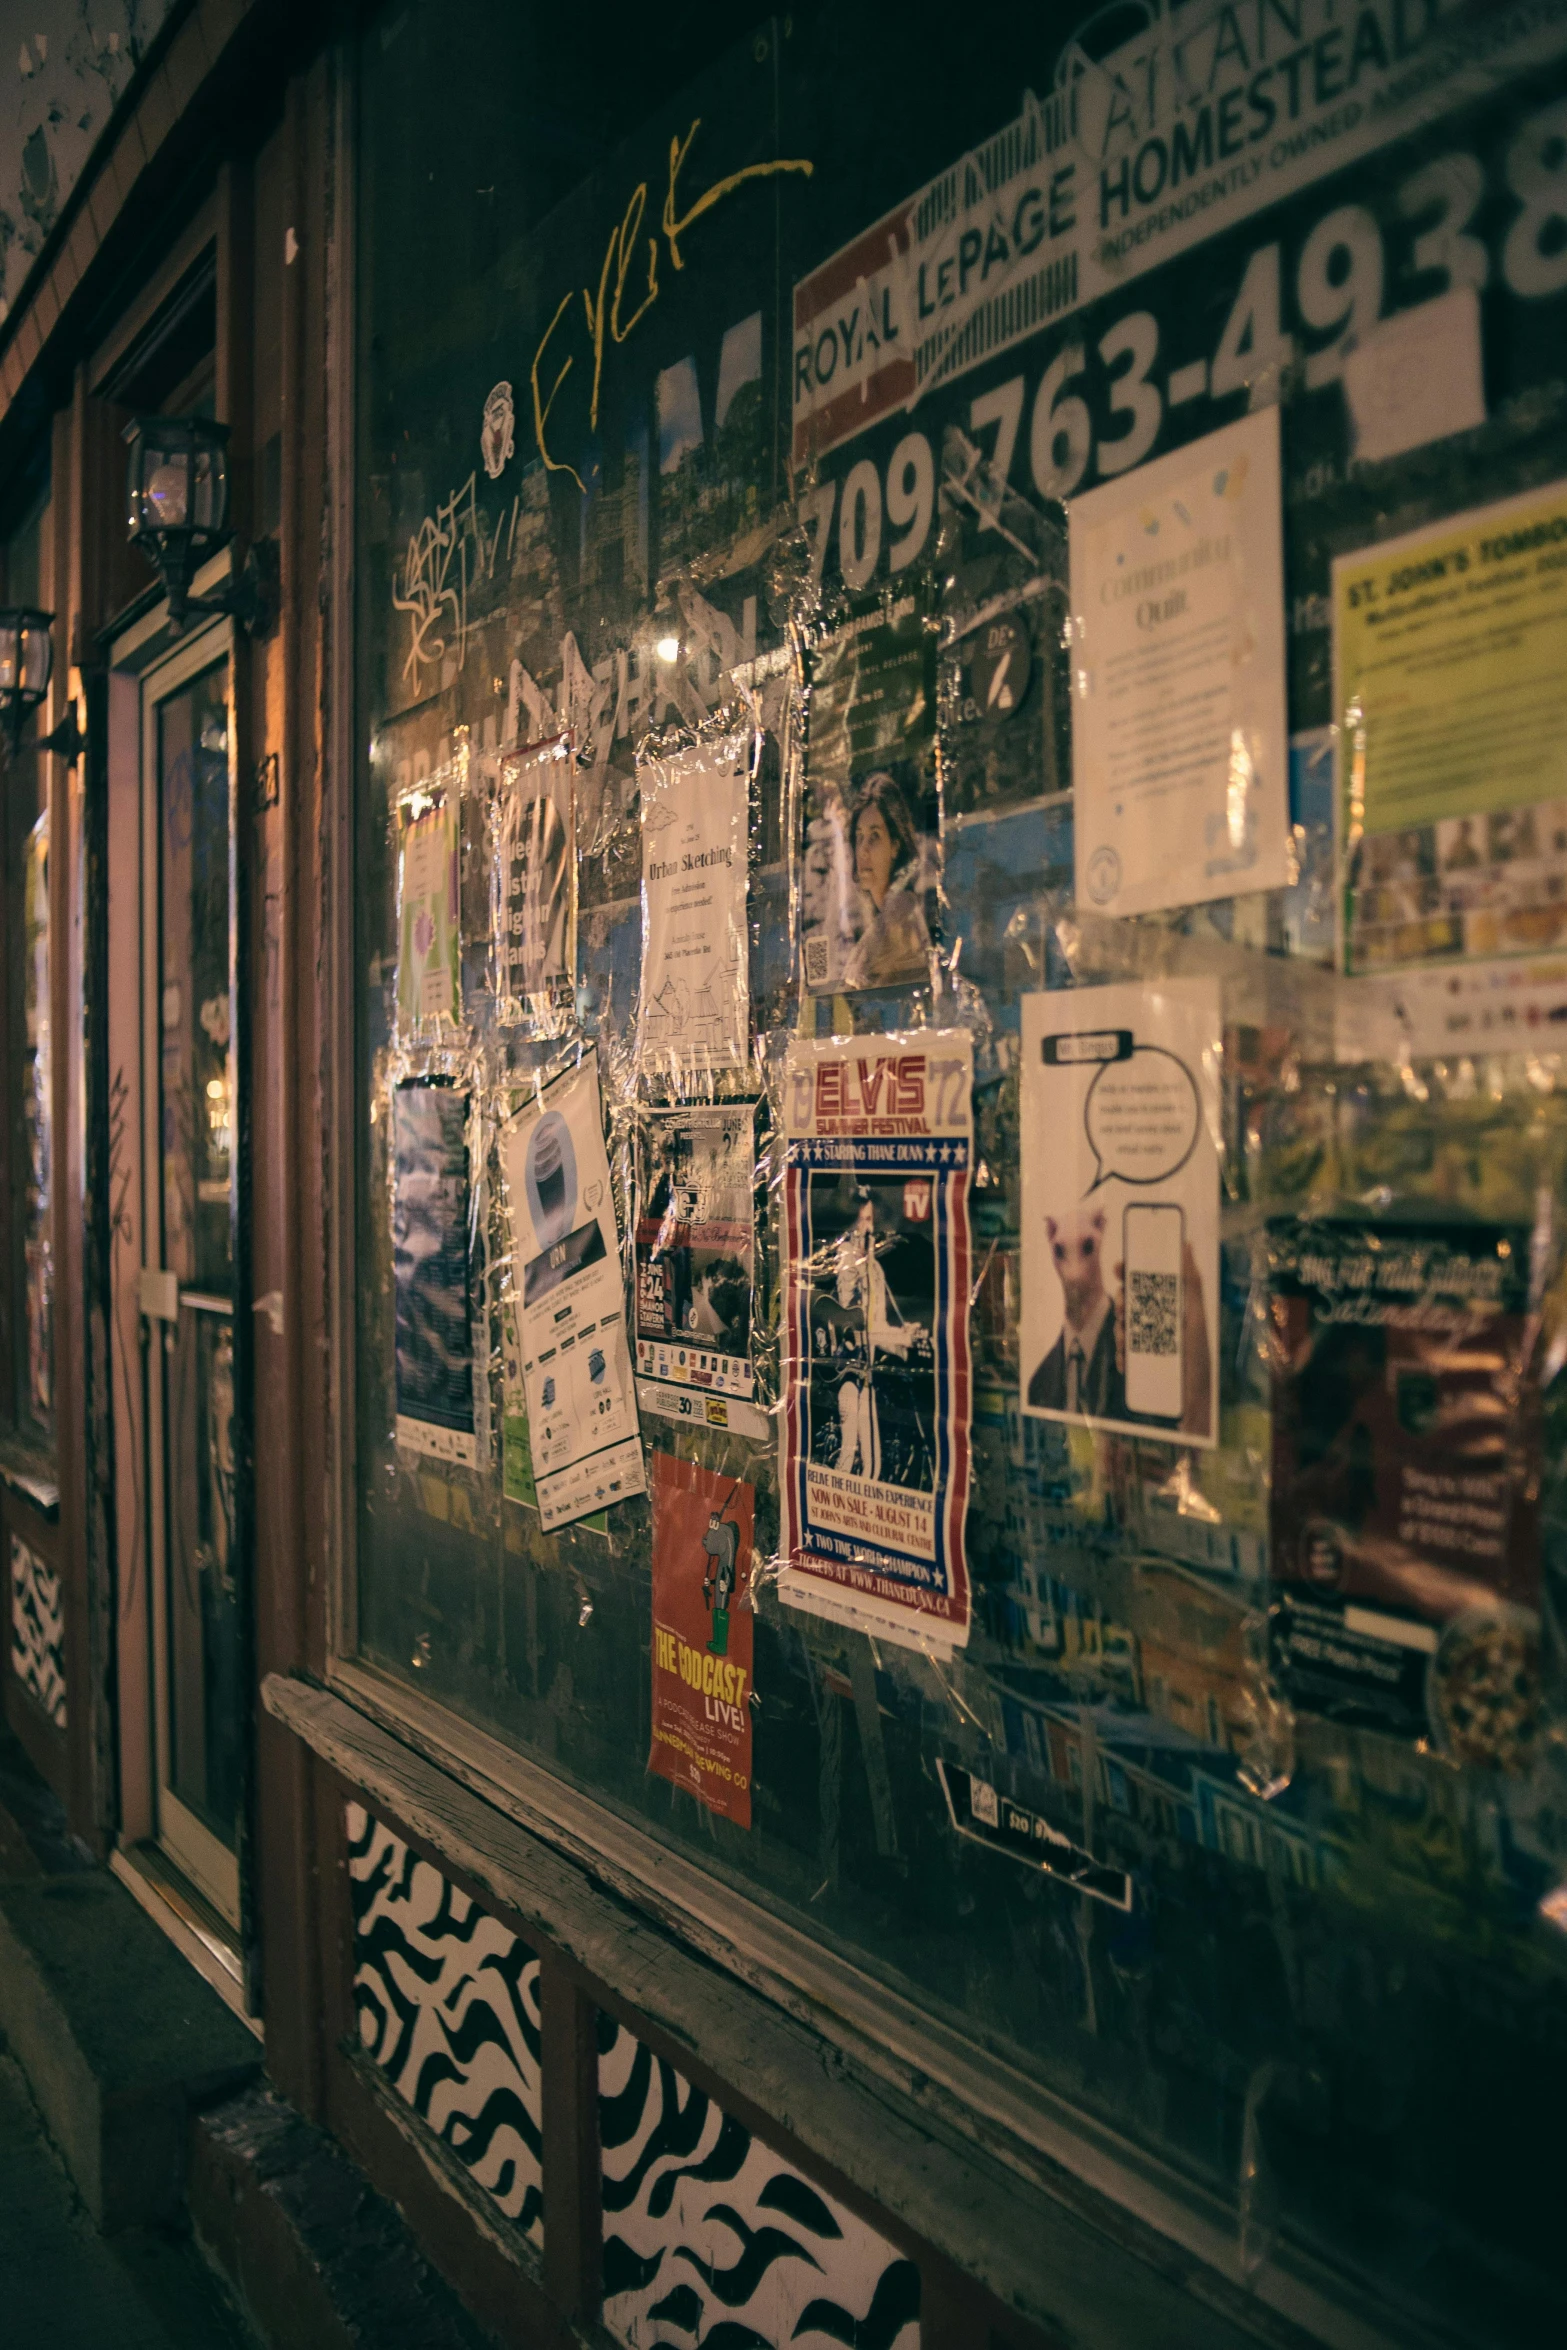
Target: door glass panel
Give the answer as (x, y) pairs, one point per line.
(195, 1128)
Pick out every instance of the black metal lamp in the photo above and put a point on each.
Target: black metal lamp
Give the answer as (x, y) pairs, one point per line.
(26, 665)
(178, 500)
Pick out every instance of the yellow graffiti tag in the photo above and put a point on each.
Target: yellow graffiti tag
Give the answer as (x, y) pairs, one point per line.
(603, 308)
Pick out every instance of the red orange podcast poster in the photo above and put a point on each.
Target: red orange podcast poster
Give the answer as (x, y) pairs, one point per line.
(702, 1634)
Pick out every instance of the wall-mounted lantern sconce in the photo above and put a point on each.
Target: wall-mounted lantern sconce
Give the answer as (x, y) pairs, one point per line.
(26, 664)
(178, 498)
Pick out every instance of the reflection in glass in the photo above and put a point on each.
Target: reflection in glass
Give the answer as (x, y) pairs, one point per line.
(196, 1110)
(37, 1236)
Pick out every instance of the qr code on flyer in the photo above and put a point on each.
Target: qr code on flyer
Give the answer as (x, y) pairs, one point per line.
(1153, 1311)
(817, 963)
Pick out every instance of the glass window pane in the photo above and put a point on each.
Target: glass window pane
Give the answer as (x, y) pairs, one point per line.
(1294, 1953)
(196, 1148)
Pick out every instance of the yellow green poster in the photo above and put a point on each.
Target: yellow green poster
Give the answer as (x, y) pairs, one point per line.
(1451, 694)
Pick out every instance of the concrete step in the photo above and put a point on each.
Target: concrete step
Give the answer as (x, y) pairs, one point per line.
(120, 2040)
(318, 2259)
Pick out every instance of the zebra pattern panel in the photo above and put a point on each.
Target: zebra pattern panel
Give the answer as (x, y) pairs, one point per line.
(38, 1630)
(447, 2001)
(714, 2242)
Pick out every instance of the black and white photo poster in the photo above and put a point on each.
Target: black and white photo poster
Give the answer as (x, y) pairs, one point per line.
(870, 867)
(569, 1301)
(695, 1013)
(434, 1343)
(1120, 1127)
(696, 1247)
(875, 1443)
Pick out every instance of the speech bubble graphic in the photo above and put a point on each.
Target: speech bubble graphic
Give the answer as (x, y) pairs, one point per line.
(1142, 1117)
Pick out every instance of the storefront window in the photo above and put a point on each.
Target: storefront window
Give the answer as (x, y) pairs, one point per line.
(1063, 1506)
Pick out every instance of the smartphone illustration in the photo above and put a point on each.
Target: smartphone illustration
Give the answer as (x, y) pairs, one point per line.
(1153, 1244)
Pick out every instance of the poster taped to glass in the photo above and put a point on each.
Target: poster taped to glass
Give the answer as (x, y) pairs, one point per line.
(429, 981)
(1453, 701)
(703, 1634)
(534, 918)
(1120, 1109)
(696, 1247)
(871, 869)
(1180, 741)
(1406, 1470)
(569, 1301)
(695, 1011)
(430, 1207)
(875, 1444)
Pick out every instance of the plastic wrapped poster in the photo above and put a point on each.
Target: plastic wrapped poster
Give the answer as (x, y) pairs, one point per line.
(696, 1248)
(1311, 902)
(429, 986)
(1120, 1206)
(1405, 1479)
(702, 1634)
(38, 1126)
(871, 865)
(1452, 697)
(695, 1009)
(878, 1135)
(1180, 740)
(569, 1301)
(430, 1210)
(534, 920)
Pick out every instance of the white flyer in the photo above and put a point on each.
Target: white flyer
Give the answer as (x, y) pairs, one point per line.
(1180, 745)
(695, 1012)
(534, 916)
(570, 1301)
(1120, 1126)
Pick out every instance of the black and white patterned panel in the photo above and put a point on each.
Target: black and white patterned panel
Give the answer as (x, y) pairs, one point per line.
(711, 2239)
(38, 1630)
(448, 2007)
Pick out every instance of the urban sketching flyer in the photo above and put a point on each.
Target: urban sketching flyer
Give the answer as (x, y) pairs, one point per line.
(434, 1340)
(535, 915)
(696, 1247)
(1120, 1115)
(695, 1009)
(1449, 682)
(569, 1302)
(875, 1446)
(429, 985)
(1405, 1533)
(703, 1630)
(872, 859)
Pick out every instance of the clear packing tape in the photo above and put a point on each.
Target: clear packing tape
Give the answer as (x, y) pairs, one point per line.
(1194, 1618)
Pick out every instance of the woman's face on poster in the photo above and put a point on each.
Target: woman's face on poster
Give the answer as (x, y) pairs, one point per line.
(873, 854)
